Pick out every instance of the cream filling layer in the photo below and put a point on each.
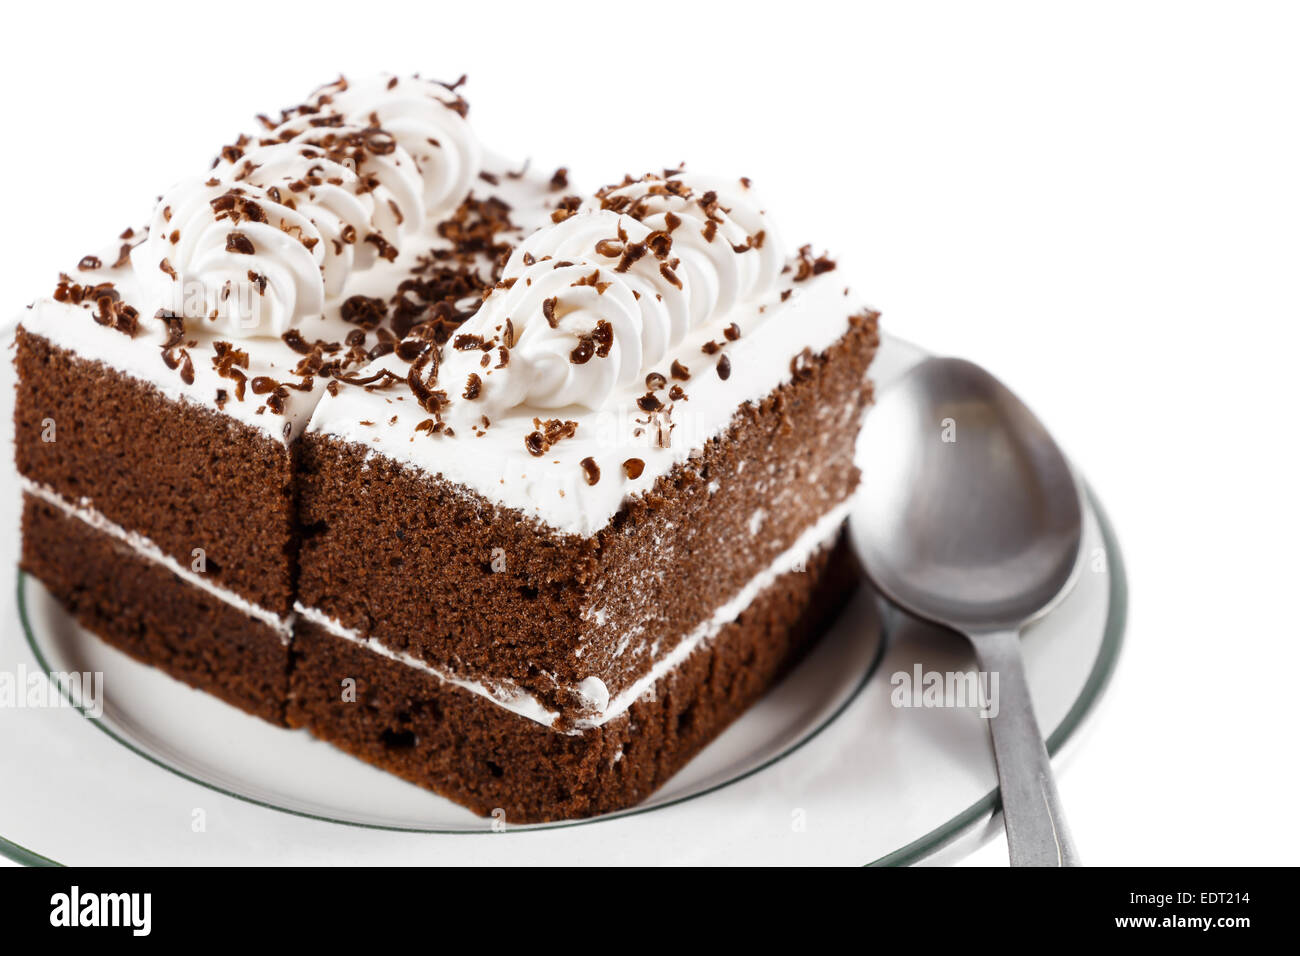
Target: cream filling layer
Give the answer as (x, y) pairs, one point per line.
(502, 693)
(145, 547)
(521, 702)
(815, 537)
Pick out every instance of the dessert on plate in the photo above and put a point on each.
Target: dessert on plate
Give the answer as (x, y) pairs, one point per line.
(519, 493)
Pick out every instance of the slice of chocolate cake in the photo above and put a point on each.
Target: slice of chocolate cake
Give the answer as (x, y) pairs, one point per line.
(560, 551)
(163, 388)
(519, 495)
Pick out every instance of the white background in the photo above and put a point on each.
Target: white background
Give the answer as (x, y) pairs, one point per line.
(1099, 202)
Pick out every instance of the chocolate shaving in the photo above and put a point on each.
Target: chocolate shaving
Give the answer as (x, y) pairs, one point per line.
(598, 342)
(801, 365)
(592, 280)
(110, 310)
(548, 433)
(365, 311)
(380, 379)
(293, 338)
(430, 400)
(660, 243)
(239, 243)
(175, 326)
(382, 245)
(810, 266)
(631, 253)
(470, 343)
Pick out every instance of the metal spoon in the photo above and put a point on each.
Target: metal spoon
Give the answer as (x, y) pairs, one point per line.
(971, 518)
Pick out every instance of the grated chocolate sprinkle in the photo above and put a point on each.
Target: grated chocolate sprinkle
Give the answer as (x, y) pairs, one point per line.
(810, 266)
(239, 243)
(548, 433)
(365, 311)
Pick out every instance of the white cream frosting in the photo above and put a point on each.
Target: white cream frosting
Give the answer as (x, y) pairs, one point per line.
(269, 238)
(409, 176)
(595, 303)
(760, 312)
(428, 121)
(718, 271)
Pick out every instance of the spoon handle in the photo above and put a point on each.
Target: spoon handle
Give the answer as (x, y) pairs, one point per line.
(1031, 807)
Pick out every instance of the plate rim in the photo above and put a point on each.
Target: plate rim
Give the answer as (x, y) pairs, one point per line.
(1093, 689)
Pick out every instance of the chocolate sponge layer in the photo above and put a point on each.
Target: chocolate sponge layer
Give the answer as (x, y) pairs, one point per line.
(407, 559)
(181, 475)
(464, 747)
(144, 609)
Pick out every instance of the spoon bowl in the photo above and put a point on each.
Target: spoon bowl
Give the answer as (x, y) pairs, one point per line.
(970, 516)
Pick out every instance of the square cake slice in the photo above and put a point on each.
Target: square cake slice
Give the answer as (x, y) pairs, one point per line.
(164, 386)
(520, 495)
(558, 552)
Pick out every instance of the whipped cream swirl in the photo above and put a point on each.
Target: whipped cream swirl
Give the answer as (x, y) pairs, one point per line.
(595, 302)
(428, 121)
(271, 236)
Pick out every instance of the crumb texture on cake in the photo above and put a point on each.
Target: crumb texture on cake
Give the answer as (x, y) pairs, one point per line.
(465, 748)
(179, 474)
